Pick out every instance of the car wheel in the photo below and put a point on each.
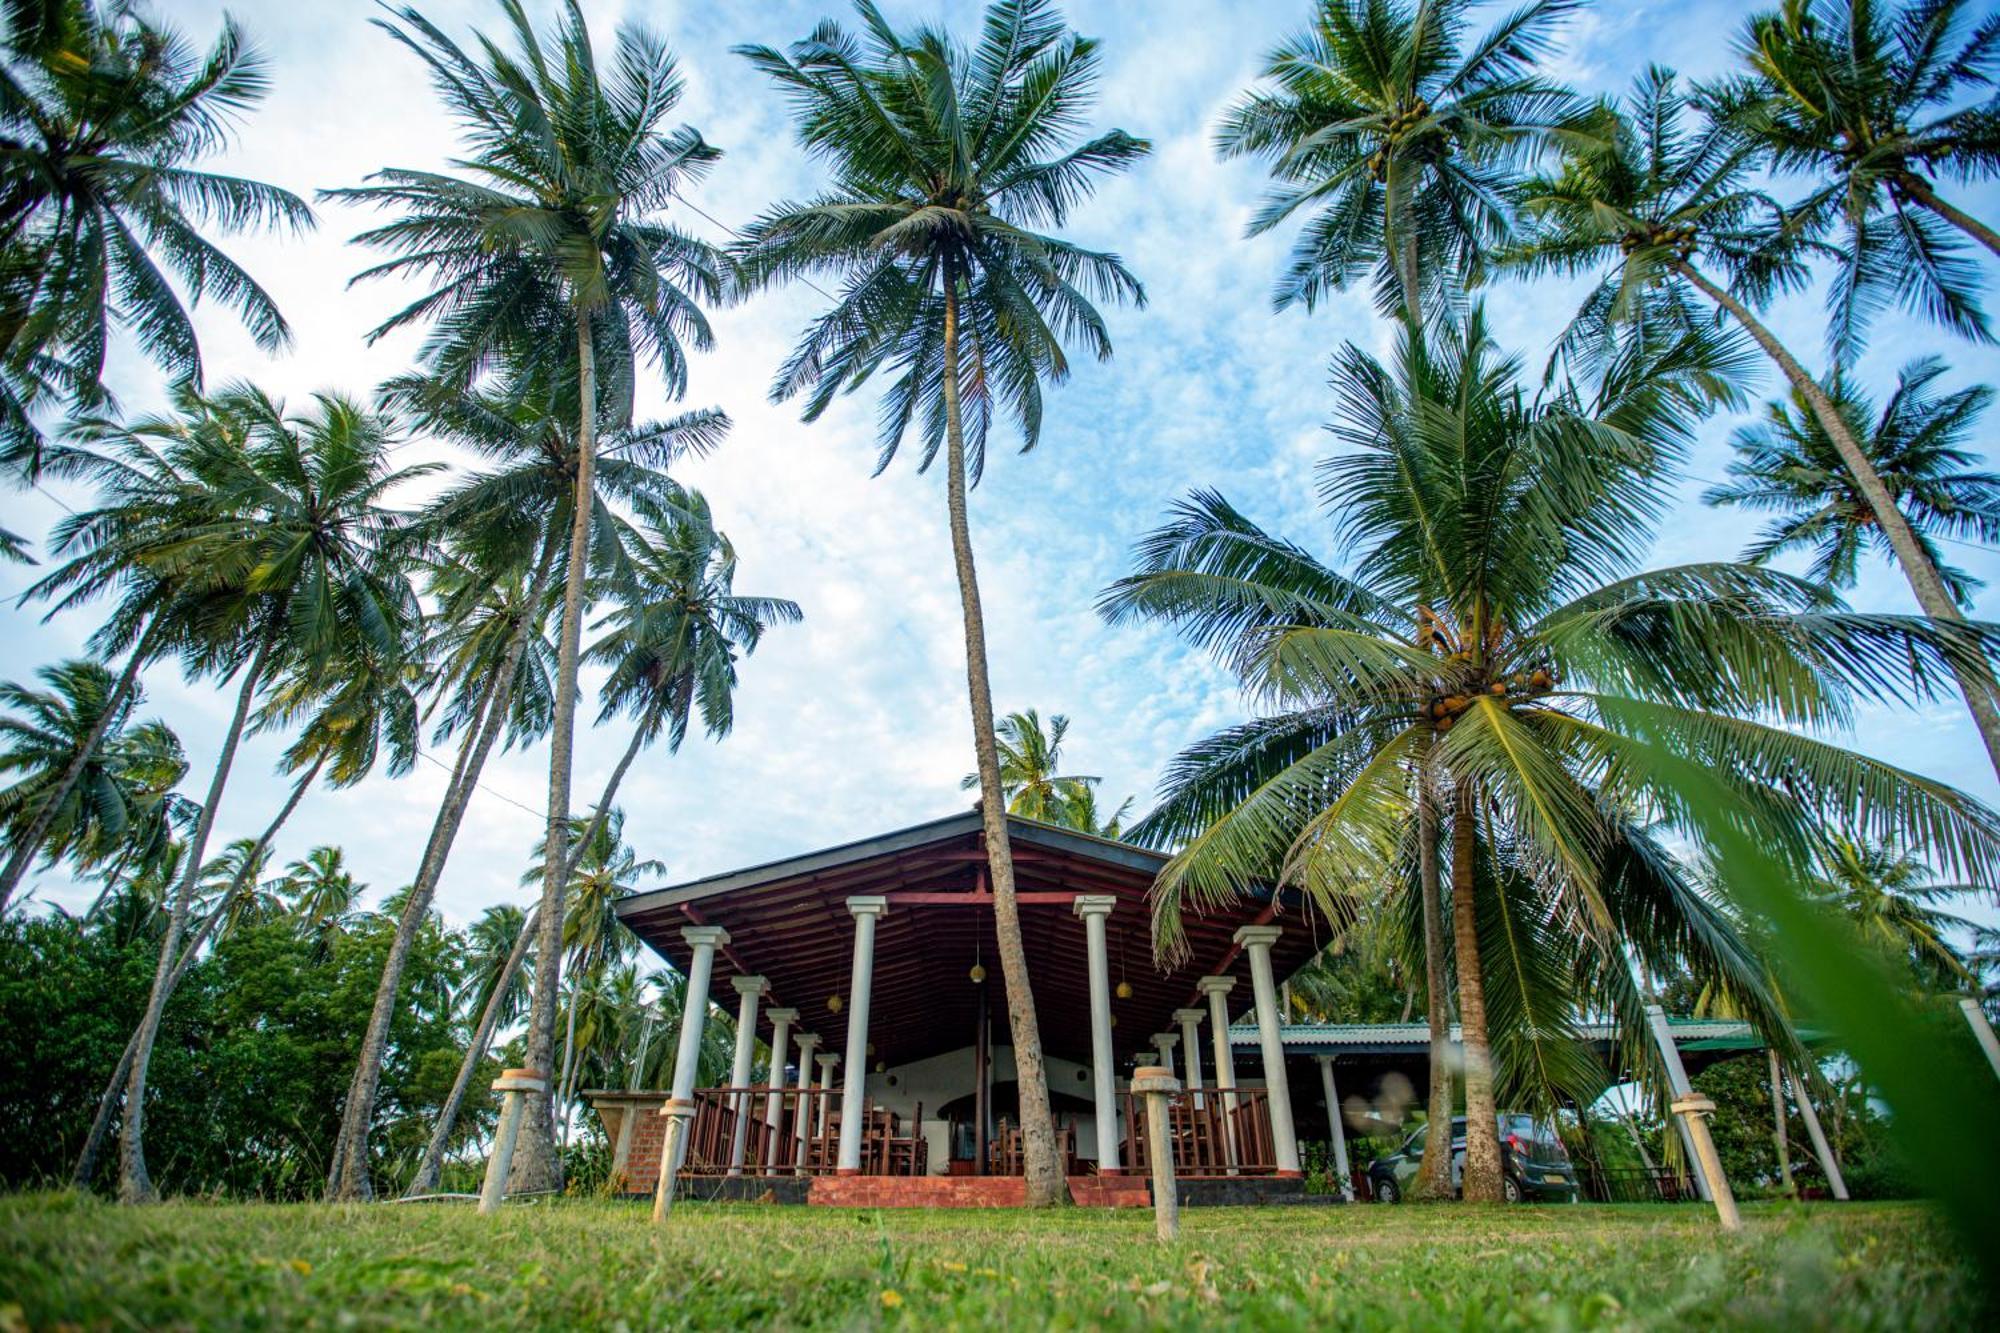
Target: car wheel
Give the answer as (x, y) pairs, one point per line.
(1386, 1192)
(1510, 1190)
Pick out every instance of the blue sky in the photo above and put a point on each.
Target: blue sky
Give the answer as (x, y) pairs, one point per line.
(855, 722)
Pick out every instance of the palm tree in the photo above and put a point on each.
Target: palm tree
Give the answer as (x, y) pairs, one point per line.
(1029, 758)
(949, 178)
(119, 805)
(1869, 103)
(320, 893)
(1889, 896)
(1080, 813)
(1399, 132)
(1786, 465)
(549, 242)
(1494, 640)
(103, 113)
(1657, 199)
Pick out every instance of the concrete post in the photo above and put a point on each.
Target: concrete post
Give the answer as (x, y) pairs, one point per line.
(621, 1148)
(1257, 942)
(679, 1112)
(748, 991)
(1692, 1113)
(803, 1128)
(1217, 990)
(1779, 1139)
(1982, 1032)
(853, 1090)
(702, 943)
(1827, 1162)
(1094, 909)
(1190, 1021)
(1155, 1085)
(828, 1061)
(514, 1085)
(1164, 1043)
(1337, 1126)
(774, 1101)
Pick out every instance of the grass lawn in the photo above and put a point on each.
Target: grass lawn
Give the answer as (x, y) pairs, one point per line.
(66, 1260)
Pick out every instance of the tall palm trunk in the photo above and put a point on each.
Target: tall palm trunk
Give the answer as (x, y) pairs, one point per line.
(1974, 680)
(1041, 1163)
(23, 853)
(1482, 1126)
(535, 1163)
(107, 1102)
(1919, 189)
(134, 1185)
(1434, 1171)
(348, 1176)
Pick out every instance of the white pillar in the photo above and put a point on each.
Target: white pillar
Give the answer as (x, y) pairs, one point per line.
(1827, 1162)
(1094, 909)
(748, 991)
(703, 942)
(1689, 1112)
(1217, 990)
(1982, 1031)
(1336, 1126)
(1257, 941)
(1164, 1043)
(1190, 1021)
(802, 1130)
(865, 911)
(774, 1101)
(828, 1061)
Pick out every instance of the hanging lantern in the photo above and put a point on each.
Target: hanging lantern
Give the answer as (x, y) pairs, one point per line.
(978, 973)
(833, 1003)
(1124, 991)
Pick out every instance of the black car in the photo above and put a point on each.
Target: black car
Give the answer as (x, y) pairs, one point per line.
(1533, 1164)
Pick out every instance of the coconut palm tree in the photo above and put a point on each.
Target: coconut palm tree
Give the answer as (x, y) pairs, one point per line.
(1495, 638)
(1786, 465)
(1873, 104)
(1658, 199)
(103, 114)
(952, 169)
(1080, 813)
(1029, 758)
(1399, 131)
(549, 250)
(320, 893)
(1891, 897)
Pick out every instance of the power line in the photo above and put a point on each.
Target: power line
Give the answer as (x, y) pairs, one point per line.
(496, 795)
(702, 212)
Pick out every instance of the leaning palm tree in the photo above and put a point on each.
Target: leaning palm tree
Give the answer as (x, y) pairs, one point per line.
(1659, 199)
(1892, 899)
(951, 169)
(103, 114)
(549, 250)
(1496, 640)
(1787, 466)
(1400, 132)
(1872, 103)
(1029, 759)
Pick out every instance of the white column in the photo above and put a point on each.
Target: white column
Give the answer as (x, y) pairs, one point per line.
(1164, 1043)
(748, 991)
(1982, 1031)
(828, 1062)
(703, 942)
(1336, 1126)
(1094, 909)
(1257, 941)
(1190, 1021)
(865, 911)
(774, 1101)
(802, 1131)
(1689, 1112)
(1217, 990)
(1827, 1161)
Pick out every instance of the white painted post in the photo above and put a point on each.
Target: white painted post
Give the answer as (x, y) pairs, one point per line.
(803, 1130)
(702, 943)
(828, 1062)
(748, 991)
(1982, 1032)
(679, 1112)
(1217, 990)
(1336, 1126)
(1257, 941)
(1154, 1085)
(1190, 1021)
(1779, 1139)
(514, 1085)
(852, 1092)
(1094, 909)
(774, 1101)
(1692, 1112)
(1823, 1150)
(1164, 1043)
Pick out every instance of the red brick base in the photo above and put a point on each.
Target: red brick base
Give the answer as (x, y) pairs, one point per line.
(969, 1191)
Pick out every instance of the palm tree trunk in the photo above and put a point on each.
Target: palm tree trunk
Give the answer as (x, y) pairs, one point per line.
(431, 1170)
(348, 1176)
(535, 1163)
(1920, 190)
(1434, 1171)
(1041, 1164)
(23, 853)
(134, 1185)
(107, 1102)
(1974, 681)
(1482, 1125)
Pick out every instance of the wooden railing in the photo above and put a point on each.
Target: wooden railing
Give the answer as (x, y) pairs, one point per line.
(802, 1138)
(1209, 1139)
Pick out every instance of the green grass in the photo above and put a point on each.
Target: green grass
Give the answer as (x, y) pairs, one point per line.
(66, 1260)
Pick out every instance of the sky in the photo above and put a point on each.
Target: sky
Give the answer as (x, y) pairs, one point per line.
(855, 722)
